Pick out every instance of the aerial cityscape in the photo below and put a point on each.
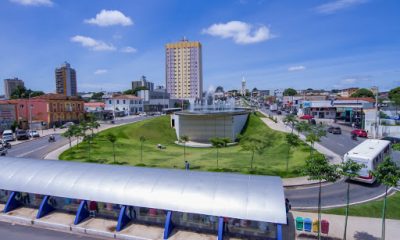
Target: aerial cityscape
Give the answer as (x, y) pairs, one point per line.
(236, 119)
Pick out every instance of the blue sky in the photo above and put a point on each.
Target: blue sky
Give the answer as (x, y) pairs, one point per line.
(273, 44)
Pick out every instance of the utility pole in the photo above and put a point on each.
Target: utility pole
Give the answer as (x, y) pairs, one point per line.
(376, 113)
(30, 112)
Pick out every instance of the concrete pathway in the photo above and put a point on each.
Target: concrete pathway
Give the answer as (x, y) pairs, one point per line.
(358, 228)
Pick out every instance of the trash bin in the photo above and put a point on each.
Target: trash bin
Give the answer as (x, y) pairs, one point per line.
(315, 225)
(324, 226)
(307, 224)
(299, 224)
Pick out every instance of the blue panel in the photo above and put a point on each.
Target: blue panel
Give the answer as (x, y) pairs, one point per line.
(279, 232)
(221, 226)
(45, 207)
(13, 202)
(124, 218)
(168, 225)
(83, 212)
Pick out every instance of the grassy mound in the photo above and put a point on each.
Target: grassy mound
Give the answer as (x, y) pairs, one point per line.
(158, 131)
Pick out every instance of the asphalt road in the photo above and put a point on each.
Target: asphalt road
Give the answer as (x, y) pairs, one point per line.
(19, 232)
(334, 194)
(40, 147)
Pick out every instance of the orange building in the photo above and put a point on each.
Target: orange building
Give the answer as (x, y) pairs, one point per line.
(49, 109)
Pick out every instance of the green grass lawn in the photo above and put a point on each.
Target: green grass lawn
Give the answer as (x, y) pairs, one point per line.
(158, 131)
(372, 209)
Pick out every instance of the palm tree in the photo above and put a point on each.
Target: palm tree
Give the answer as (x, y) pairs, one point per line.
(218, 143)
(387, 173)
(142, 139)
(112, 139)
(318, 168)
(293, 141)
(183, 139)
(350, 170)
(76, 132)
(291, 120)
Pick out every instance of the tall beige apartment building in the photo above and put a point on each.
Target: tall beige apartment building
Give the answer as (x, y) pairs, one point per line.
(66, 80)
(10, 85)
(183, 69)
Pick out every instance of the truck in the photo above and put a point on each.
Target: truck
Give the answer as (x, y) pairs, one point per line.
(273, 107)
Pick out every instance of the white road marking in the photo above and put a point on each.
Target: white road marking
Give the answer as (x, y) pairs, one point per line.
(37, 149)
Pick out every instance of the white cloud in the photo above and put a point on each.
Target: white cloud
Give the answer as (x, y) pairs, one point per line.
(109, 18)
(349, 80)
(92, 44)
(240, 32)
(100, 71)
(296, 68)
(337, 5)
(128, 50)
(33, 2)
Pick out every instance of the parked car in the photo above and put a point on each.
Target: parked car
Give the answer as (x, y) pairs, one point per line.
(337, 130)
(67, 125)
(359, 133)
(393, 140)
(307, 117)
(34, 134)
(8, 136)
(330, 129)
(21, 134)
(279, 112)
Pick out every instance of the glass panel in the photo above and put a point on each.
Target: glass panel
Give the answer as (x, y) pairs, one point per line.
(4, 196)
(195, 222)
(150, 215)
(252, 229)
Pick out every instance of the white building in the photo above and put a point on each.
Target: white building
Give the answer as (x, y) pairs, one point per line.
(128, 104)
(243, 90)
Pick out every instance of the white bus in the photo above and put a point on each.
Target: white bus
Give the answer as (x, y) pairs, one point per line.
(370, 153)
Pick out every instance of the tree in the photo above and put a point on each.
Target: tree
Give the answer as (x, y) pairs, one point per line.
(97, 96)
(363, 92)
(314, 135)
(291, 120)
(129, 92)
(387, 173)
(396, 147)
(218, 143)
(76, 132)
(319, 169)
(257, 144)
(350, 170)
(112, 139)
(219, 89)
(183, 139)
(22, 92)
(302, 127)
(69, 134)
(142, 139)
(289, 92)
(394, 96)
(293, 141)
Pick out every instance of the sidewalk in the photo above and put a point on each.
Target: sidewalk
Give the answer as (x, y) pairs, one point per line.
(358, 228)
(99, 227)
(280, 126)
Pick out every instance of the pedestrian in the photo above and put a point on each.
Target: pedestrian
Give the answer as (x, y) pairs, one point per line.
(93, 208)
(54, 127)
(353, 125)
(187, 165)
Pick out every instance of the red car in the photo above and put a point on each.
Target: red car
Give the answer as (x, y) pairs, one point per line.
(307, 117)
(360, 133)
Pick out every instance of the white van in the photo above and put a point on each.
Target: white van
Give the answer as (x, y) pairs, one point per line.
(8, 136)
(370, 153)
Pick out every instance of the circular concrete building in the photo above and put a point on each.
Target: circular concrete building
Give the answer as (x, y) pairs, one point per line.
(201, 125)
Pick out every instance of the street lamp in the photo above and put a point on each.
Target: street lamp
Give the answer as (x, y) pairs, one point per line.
(30, 111)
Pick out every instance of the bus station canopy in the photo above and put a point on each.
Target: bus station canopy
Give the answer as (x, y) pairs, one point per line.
(249, 197)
